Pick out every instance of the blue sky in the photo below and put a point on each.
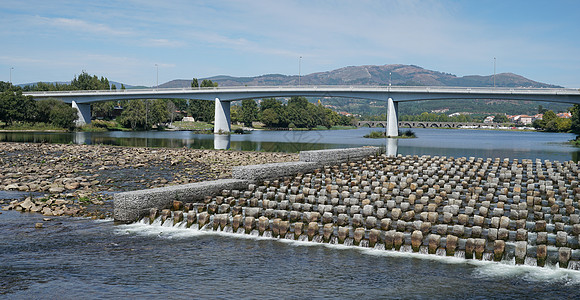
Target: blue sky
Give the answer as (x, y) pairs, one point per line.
(123, 40)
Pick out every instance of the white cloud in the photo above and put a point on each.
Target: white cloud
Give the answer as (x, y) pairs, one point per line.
(77, 25)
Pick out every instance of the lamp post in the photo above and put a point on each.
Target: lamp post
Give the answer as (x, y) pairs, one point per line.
(157, 67)
(494, 72)
(299, 69)
(11, 68)
(390, 77)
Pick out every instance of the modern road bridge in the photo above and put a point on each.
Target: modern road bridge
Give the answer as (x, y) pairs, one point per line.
(392, 95)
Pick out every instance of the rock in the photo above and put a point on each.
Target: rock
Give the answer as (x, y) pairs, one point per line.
(541, 254)
(498, 250)
(451, 245)
(469, 248)
(564, 255)
(434, 240)
(416, 240)
(343, 233)
(520, 252)
(27, 204)
(56, 190)
(46, 211)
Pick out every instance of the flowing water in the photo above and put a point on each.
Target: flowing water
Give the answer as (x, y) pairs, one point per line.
(74, 258)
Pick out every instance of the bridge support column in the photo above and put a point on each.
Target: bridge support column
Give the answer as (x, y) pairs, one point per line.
(222, 124)
(84, 113)
(392, 118)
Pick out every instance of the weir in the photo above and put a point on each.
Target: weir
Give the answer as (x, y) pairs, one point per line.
(516, 212)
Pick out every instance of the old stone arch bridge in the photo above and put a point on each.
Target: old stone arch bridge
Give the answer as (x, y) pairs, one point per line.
(422, 124)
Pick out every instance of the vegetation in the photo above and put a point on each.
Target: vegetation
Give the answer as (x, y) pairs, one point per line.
(249, 112)
(552, 123)
(381, 134)
(24, 112)
(500, 118)
(299, 113)
(368, 108)
(202, 110)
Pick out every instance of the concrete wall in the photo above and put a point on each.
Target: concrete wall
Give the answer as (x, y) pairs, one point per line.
(131, 206)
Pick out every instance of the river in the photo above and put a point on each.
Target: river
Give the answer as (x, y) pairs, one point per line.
(74, 258)
(442, 142)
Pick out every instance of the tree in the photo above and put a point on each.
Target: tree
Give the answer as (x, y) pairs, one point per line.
(194, 83)
(87, 82)
(103, 110)
(203, 110)
(157, 113)
(56, 112)
(549, 116)
(500, 118)
(269, 117)
(236, 114)
(249, 111)
(541, 109)
(171, 111)
(575, 120)
(16, 107)
(63, 115)
(134, 114)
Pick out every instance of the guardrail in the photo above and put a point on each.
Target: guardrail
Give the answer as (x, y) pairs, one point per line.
(394, 89)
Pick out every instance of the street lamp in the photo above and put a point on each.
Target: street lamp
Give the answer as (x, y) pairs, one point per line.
(11, 68)
(494, 72)
(390, 77)
(299, 69)
(157, 67)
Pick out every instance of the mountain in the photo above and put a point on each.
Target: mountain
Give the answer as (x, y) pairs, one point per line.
(374, 75)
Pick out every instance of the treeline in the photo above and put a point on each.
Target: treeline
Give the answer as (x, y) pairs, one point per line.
(297, 113)
(15, 107)
(82, 82)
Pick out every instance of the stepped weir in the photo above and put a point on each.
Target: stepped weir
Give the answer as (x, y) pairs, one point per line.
(511, 211)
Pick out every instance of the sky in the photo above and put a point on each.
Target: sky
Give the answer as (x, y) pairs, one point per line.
(142, 42)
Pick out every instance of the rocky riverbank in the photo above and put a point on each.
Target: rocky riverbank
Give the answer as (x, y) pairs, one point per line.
(79, 180)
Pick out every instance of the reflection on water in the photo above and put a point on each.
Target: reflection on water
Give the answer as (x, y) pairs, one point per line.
(221, 141)
(441, 142)
(392, 146)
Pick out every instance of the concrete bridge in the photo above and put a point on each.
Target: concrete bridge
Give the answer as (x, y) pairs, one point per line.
(423, 124)
(392, 95)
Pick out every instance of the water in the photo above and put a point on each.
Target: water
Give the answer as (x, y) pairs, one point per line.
(76, 258)
(442, 142)
(79, 258)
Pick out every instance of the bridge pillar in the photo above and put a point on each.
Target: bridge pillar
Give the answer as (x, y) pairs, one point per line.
(222, 124)
(392, 118)
(84, 113)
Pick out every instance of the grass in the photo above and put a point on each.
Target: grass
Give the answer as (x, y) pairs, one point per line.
(22, 126)
(193, 125)
(102, 125)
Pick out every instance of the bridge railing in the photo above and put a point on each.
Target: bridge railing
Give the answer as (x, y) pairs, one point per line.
(393, 89)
